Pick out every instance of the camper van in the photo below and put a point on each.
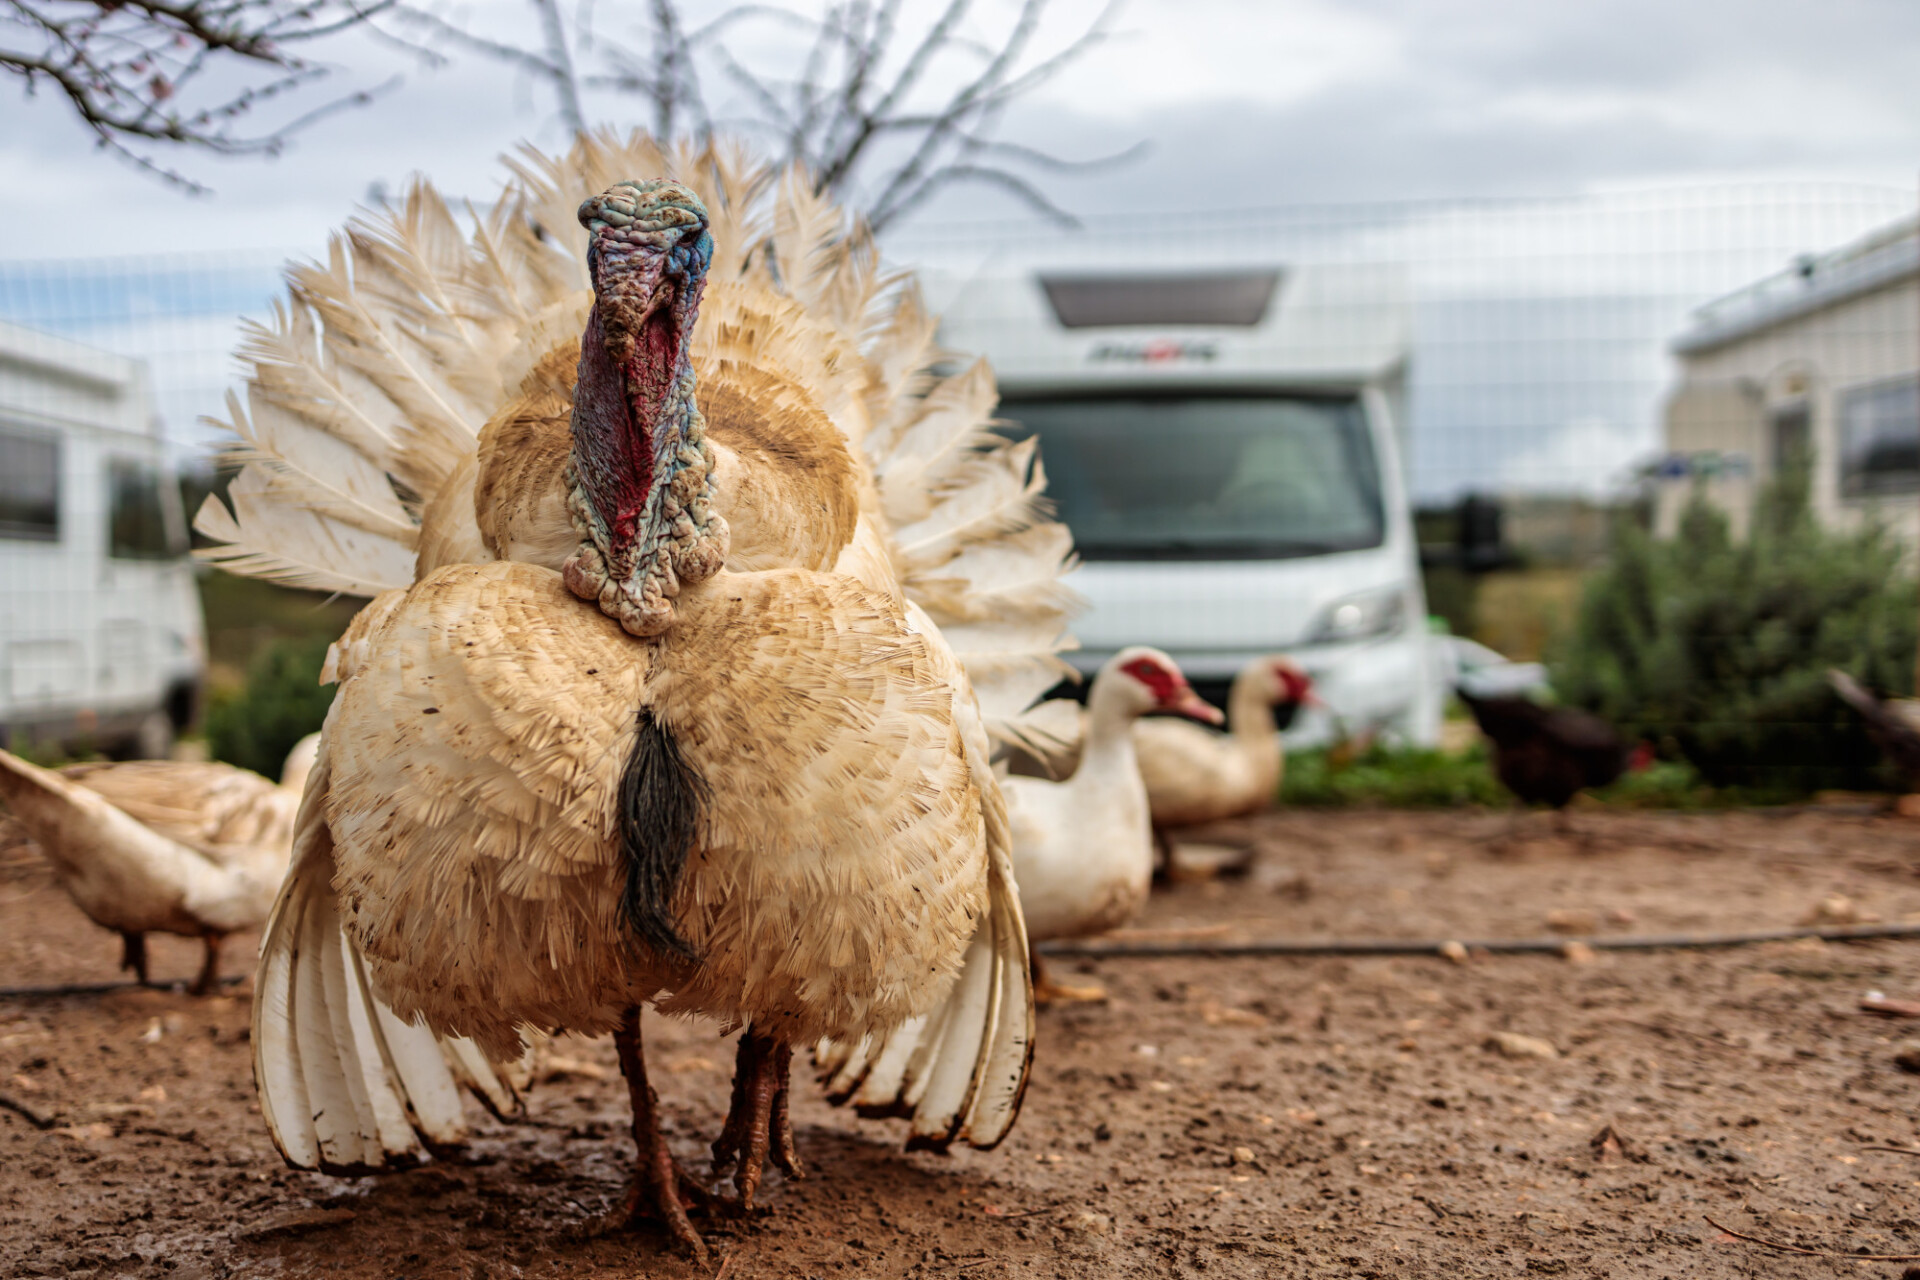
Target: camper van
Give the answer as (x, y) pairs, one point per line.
(1226, 445)
(101, 639)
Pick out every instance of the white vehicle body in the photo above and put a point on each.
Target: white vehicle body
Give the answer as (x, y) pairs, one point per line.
(1225, 443)
(101, 637)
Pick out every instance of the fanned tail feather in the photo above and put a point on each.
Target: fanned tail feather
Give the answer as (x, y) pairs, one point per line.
(958, 1073)
(345, 1086)
(369, 386)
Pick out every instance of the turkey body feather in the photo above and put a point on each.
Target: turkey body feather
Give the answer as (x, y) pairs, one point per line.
(483, 730)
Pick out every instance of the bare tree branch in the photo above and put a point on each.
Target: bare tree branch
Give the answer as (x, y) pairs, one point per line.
(131, 70)
(833, 116)
(434, 27)
(1013, 183)
(565, 84)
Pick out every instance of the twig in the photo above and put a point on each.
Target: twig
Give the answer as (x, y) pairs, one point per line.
(10, 1103)
(1891, 1008)
(1814, 1253)
(1425, 946)
(1899, 1151)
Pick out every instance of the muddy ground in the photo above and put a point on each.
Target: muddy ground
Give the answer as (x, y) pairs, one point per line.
(1376, 1132)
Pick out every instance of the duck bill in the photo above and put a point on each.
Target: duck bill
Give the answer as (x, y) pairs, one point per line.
(1194, 707)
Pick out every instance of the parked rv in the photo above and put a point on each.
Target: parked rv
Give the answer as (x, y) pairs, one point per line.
(101, 639)
(1226, 446)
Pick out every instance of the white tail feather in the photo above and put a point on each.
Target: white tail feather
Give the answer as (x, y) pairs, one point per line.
(296, 546)
(345, 1086)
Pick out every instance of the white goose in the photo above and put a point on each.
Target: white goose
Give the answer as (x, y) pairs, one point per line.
(1083, 848)
(193, 849)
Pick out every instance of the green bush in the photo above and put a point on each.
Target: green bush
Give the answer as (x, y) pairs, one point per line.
(283, 702)
(1717, 651)
(1422, 778)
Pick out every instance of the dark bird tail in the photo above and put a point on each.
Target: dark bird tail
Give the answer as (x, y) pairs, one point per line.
(662, 805)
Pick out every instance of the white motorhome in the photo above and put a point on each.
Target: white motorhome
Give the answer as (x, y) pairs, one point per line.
(101, 638)
(1225, 444)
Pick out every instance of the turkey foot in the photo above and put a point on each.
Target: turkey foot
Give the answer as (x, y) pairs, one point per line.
(661, 1190)
(210, 967)
(1047, 991)
(758, 1123)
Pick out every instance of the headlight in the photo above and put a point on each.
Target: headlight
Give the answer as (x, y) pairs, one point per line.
(1361, 617)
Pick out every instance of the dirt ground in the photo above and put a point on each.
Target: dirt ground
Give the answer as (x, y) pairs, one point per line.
(1227, 1117)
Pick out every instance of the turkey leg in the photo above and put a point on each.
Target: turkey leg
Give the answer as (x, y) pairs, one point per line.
(758, 1123)
(660, 1188)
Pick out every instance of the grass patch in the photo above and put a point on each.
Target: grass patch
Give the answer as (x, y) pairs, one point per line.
(281, 702)
(1427, 778)
(246, 615)
(1391, 777)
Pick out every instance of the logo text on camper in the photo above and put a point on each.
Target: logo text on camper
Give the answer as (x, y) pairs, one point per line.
(1158, 351)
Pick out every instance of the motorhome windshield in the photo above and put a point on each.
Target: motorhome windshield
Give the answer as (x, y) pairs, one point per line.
(1170, 477)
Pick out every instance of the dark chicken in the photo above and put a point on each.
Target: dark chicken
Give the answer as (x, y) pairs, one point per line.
(1547, 755)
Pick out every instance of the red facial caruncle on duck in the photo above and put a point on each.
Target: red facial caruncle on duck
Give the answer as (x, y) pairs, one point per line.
(1165, 684)
(639, 480)
(1297, 685)
(1170, 690)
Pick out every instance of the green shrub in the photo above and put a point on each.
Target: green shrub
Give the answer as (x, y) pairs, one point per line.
(1717, 651)
(283, 701)
(1422, 778)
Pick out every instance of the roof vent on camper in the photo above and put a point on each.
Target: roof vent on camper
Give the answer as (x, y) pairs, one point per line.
(1210, 297)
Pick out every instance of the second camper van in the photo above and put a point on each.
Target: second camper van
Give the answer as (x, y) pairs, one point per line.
(1226, 446)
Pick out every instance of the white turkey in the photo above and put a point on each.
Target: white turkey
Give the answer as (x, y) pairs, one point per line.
(753, 781)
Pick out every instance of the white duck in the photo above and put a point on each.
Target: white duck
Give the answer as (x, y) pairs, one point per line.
(1195, 775)
(1083, 848)
(193, 849)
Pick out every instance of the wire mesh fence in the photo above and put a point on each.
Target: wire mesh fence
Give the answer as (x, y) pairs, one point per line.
(1561, 353)
(1538, 330)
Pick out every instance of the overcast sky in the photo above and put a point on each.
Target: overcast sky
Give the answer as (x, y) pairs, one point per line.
(1243, 102)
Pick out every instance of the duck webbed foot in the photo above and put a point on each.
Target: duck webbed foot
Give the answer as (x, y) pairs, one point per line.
(1047, 991)
(758, 1123)
(662, 1191)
